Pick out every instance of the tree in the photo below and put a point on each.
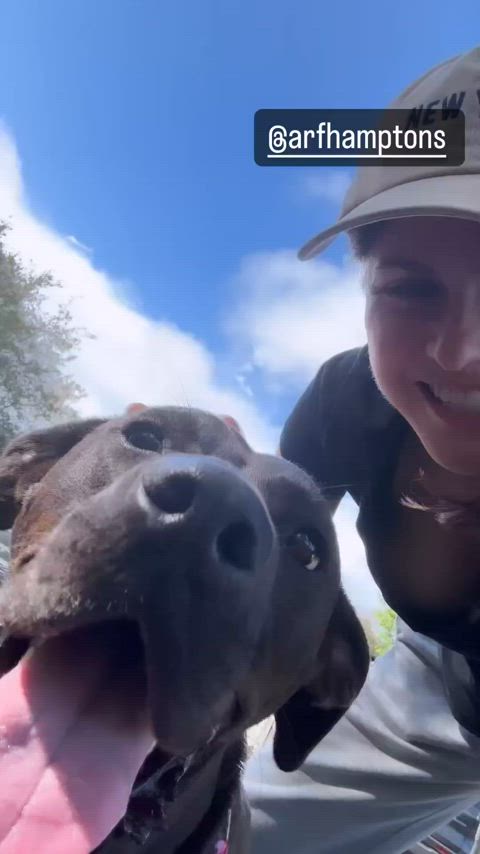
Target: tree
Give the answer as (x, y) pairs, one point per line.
(35, 348)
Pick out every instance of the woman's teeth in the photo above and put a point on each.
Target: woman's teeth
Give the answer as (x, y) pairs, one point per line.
(460, 401)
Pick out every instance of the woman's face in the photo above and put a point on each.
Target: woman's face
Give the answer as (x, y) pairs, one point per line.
(423, 327)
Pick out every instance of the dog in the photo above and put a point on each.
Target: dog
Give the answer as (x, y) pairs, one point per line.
(168, 589)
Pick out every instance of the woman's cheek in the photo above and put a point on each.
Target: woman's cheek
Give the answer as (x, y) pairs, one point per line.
(394, 344)
(386, 329)
(392, 325)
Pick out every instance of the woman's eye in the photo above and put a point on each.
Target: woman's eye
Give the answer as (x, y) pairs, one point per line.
(410, 288)
(307, 548)
(146, 437)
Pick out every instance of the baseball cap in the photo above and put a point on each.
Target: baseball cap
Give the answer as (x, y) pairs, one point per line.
(390, 192)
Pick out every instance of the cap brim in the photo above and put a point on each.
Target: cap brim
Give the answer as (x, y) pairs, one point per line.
(441, 195)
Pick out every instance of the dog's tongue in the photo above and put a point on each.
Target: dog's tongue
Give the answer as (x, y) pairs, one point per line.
(74, 732)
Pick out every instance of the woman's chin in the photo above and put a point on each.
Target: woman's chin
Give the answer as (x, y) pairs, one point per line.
(455, 455)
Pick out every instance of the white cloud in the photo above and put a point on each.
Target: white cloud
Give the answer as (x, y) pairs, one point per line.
(293, 316)
(78, 245)
(242, 382)
(327, 185)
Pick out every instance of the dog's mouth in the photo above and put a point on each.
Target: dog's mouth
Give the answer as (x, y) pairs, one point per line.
(78, 756)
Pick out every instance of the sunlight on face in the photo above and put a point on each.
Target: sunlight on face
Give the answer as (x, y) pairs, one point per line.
(423, 326)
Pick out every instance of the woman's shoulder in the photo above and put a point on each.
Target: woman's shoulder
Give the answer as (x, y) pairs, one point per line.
(347, 381)
(343, 392)
(327, 429)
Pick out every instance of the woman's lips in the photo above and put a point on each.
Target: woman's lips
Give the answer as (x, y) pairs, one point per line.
(458, 414)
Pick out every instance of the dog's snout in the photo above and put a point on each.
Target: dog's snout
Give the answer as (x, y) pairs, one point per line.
(213, 505)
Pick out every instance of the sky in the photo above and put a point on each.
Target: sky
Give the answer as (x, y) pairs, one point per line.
(127, 169)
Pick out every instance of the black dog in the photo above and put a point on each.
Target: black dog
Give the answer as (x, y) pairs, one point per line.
(205, 577)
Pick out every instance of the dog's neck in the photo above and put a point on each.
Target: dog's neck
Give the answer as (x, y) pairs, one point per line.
(197, 820)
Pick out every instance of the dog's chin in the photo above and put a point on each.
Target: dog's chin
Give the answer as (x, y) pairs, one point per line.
(163, 773)
(159, 782)
(163, 776)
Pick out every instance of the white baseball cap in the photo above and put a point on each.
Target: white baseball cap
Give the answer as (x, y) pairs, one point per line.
(390, 192)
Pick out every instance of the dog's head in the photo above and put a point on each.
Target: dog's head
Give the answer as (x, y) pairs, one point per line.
(209, 572)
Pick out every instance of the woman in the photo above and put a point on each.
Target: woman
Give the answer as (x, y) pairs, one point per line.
(397, 425)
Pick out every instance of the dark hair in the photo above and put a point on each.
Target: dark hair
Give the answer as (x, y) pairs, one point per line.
(363, 239)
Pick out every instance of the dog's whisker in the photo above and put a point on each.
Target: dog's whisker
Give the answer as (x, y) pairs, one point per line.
(331, 486)
(213, 733)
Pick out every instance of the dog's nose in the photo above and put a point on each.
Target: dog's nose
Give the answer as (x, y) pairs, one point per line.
(212, 501)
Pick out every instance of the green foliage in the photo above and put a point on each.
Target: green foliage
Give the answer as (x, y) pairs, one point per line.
(387, 623)
(380, 637)
(36, 345)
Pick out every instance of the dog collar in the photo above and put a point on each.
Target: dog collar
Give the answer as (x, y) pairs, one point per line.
(222, 846)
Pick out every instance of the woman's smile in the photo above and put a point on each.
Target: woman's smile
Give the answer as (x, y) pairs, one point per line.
(458, 409)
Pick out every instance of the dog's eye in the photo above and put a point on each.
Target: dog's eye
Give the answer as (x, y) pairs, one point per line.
(308, 548)
(143, 435)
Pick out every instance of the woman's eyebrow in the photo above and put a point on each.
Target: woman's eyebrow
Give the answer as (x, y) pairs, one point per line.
(404, 264)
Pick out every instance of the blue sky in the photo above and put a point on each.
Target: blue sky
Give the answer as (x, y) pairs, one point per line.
(133, 121)
(127, 127)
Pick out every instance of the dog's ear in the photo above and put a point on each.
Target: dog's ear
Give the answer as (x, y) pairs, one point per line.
(27, 459)
(308, 716)
(133, 408)
(233, 424)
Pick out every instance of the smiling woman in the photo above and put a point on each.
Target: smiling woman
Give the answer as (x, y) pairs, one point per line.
(396, 424)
